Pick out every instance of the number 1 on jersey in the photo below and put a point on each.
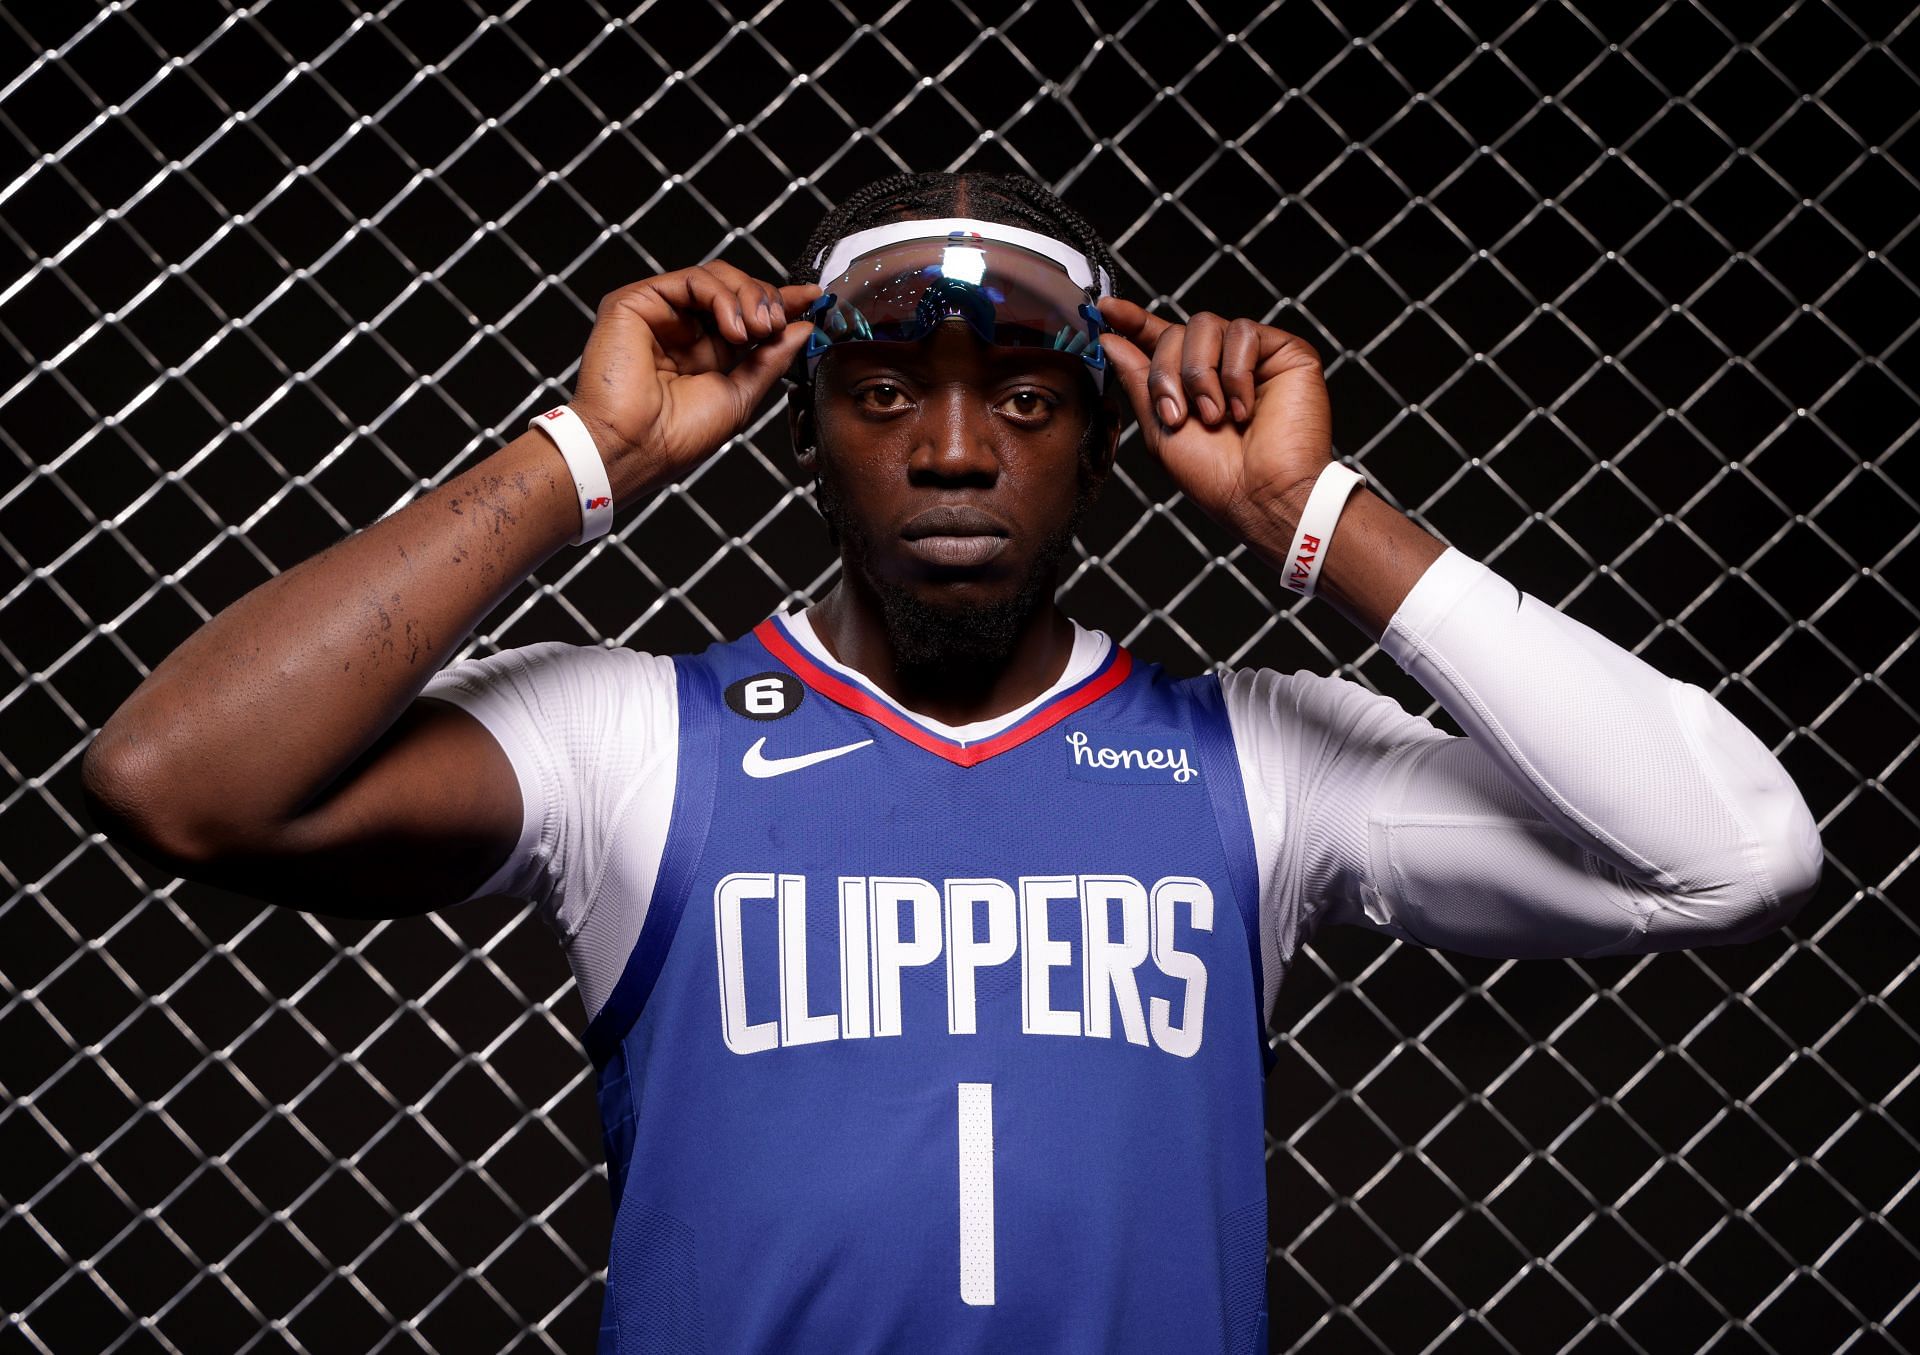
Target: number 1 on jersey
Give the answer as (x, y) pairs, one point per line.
(976, 1193)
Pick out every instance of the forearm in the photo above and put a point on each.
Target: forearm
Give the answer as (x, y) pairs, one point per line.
(258, 711)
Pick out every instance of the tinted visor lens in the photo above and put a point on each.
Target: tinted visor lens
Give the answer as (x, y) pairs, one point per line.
(1009, 295)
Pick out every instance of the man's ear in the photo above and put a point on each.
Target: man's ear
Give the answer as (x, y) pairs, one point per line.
(800, 428)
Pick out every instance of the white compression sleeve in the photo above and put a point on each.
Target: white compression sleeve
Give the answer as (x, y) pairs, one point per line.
(1596, 806)
(1690, 828)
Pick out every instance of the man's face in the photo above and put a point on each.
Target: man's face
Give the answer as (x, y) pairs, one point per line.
(953, 473)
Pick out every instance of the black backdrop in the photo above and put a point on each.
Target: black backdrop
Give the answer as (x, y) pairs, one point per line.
(1618, 297)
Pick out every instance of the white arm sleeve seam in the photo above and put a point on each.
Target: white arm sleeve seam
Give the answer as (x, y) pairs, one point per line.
(1437, 820)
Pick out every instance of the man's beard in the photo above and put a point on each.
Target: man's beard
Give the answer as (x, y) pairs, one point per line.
(928, 634)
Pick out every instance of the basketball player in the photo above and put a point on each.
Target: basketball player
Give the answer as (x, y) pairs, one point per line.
(926, 936)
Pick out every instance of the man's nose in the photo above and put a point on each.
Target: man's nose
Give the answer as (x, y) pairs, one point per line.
(956, 439)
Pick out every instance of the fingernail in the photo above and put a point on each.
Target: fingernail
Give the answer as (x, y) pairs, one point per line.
(1209, 412)
(1239, 411)
(1169, 411)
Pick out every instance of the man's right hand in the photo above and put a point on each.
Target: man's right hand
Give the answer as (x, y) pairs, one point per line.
(677, 364)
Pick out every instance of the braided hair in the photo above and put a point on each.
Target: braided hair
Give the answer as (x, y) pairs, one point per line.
(1009, 199)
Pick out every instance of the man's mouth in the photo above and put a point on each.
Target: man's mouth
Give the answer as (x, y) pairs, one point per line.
(955, 537)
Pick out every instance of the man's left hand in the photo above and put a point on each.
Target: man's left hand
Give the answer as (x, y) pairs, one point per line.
(1235, 410)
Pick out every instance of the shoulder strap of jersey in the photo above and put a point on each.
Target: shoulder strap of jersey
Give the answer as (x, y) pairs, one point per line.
(1220, 770)
(696, 773)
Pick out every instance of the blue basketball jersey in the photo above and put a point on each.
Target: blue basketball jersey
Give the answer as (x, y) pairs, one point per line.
(929, 1047)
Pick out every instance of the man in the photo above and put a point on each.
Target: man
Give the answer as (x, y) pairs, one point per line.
(927, 937)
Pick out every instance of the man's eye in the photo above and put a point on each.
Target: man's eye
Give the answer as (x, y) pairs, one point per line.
(1027, 404)
(883, 397)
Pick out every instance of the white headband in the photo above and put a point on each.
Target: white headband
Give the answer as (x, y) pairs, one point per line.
(833, 261)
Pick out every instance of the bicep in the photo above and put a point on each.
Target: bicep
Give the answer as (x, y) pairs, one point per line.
(419, 821)
(1455, 859)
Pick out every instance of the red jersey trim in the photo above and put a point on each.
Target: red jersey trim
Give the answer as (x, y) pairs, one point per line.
(842, 692)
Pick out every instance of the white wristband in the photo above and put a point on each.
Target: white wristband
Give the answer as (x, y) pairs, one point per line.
(1330, 490)
(591, 489)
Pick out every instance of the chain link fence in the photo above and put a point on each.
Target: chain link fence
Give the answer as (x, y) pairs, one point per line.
(1617, 296)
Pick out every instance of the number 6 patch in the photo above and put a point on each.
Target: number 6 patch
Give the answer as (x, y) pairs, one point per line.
(765, 696)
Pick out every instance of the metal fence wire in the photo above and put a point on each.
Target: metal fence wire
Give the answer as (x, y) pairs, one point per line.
(1617, 296)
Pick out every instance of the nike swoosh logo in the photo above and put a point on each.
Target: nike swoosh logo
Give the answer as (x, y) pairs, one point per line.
(753, 764)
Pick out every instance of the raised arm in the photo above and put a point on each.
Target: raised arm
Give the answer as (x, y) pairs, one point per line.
(1596, 804)
(281, 750)
(1596, 807)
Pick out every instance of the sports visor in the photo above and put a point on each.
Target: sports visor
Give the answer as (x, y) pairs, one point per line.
(1016, 288)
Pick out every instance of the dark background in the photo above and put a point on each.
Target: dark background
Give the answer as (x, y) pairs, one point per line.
(1617, 296)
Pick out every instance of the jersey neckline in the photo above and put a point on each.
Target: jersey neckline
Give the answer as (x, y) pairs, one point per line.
(1112, 671)
(1090, 650)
